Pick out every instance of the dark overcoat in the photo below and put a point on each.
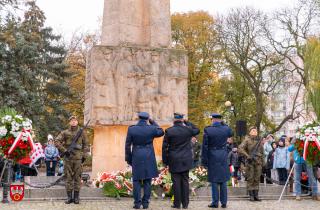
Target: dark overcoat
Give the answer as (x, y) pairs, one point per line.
(142, 156)
(214, 152)
(176, 147)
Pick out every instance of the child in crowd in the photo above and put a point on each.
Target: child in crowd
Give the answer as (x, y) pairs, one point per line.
(281, 161)
(270, 158)
(233, 160)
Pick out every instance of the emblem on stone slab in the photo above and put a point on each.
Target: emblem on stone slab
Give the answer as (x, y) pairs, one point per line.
(16, 192)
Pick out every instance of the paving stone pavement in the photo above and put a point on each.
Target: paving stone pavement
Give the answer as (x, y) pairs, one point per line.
(163, 205)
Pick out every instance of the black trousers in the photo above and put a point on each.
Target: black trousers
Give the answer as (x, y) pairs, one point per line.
(269, 175)
(180, 186)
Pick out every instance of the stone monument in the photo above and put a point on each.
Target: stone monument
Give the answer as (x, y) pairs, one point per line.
(133, 70)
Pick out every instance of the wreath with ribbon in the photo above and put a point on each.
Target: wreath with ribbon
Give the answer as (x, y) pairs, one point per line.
(307, 142)
(15, 135)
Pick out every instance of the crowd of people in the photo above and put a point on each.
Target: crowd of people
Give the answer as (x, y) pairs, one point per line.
(280, 156)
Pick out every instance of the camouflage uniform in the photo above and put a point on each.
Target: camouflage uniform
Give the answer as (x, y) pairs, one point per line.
(73, 168)
(253, 173)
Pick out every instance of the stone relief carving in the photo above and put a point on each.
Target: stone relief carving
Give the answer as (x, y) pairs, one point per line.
(125, 81)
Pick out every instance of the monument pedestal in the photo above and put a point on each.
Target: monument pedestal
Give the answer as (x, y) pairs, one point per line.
(133, 70)
(109, 148)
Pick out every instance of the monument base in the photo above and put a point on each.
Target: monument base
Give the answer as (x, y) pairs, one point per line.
(109, 149)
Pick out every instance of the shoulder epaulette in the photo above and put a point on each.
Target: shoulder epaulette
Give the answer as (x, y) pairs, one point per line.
(131, 125)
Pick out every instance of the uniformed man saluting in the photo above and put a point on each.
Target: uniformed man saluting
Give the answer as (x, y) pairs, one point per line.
(177, 153)
(215, 158)
(142, 157)
(73, 168)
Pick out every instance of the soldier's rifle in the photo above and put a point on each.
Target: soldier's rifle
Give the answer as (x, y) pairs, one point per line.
(255, 150)
(74, 143)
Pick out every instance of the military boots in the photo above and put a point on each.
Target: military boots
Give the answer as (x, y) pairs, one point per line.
(69, 200)
(251, 193)
(76, 197)
(256, 198)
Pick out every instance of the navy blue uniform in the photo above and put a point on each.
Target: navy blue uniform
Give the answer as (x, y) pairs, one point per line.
(214, 154)
(142, 157)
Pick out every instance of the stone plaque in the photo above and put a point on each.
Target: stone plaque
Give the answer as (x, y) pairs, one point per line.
(123, 81)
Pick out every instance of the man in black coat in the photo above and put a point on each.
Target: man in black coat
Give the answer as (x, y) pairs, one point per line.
(177, 154)
(196, 147)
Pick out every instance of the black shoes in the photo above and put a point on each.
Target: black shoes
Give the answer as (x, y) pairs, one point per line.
(145, 207)
(184, 207)
(251, 194)
(175, 207)
(76, 197)
(212, 206)
(136, 207)
(69, 200)
(223, 206)
(256, 198)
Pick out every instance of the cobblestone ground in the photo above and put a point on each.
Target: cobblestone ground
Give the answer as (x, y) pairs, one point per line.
(164, 205)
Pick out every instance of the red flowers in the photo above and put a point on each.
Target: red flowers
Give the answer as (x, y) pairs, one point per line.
(315, 152)
(10, 141)
(20, 145)
(3, 142)
(313, 145)
(302, 144)
(15, 153)
(5, 152)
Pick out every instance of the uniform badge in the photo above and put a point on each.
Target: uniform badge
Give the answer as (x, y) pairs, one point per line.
(16, 192)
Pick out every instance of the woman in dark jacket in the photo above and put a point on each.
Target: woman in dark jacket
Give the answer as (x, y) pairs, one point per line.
(274, 173)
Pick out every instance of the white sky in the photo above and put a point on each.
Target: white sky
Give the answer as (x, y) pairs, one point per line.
(67, 15)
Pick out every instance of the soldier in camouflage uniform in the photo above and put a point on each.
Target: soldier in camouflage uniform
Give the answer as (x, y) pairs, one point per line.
(253, 173)
(73, 167)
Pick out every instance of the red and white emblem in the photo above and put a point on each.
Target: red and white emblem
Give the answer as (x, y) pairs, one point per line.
(16, 192)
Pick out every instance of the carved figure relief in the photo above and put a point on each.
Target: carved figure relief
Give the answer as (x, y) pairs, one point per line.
(131, 80)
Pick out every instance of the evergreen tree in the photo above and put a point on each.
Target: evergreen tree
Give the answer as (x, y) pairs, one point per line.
(33, 72)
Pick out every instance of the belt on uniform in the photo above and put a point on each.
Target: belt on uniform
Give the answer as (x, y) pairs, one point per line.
(143, 146)
(218, 148)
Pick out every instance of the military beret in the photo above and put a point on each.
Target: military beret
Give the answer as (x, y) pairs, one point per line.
(143, 115)
(73, 117)
(214, 115)
(178, 115)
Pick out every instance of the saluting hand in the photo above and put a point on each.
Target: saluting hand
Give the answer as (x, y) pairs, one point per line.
(151, 121)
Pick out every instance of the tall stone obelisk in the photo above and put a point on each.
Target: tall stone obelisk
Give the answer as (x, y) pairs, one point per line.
(133, 70)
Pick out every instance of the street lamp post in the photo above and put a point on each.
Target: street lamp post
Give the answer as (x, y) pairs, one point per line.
(229, 108)
(228, 105)
(7, 181)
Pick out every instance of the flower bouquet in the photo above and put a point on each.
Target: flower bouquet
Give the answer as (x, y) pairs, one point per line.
(201, 173)
(194, 183)
(15, 135)
(233, 182)
(307, 142)
(155, 183)
(116, 184)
